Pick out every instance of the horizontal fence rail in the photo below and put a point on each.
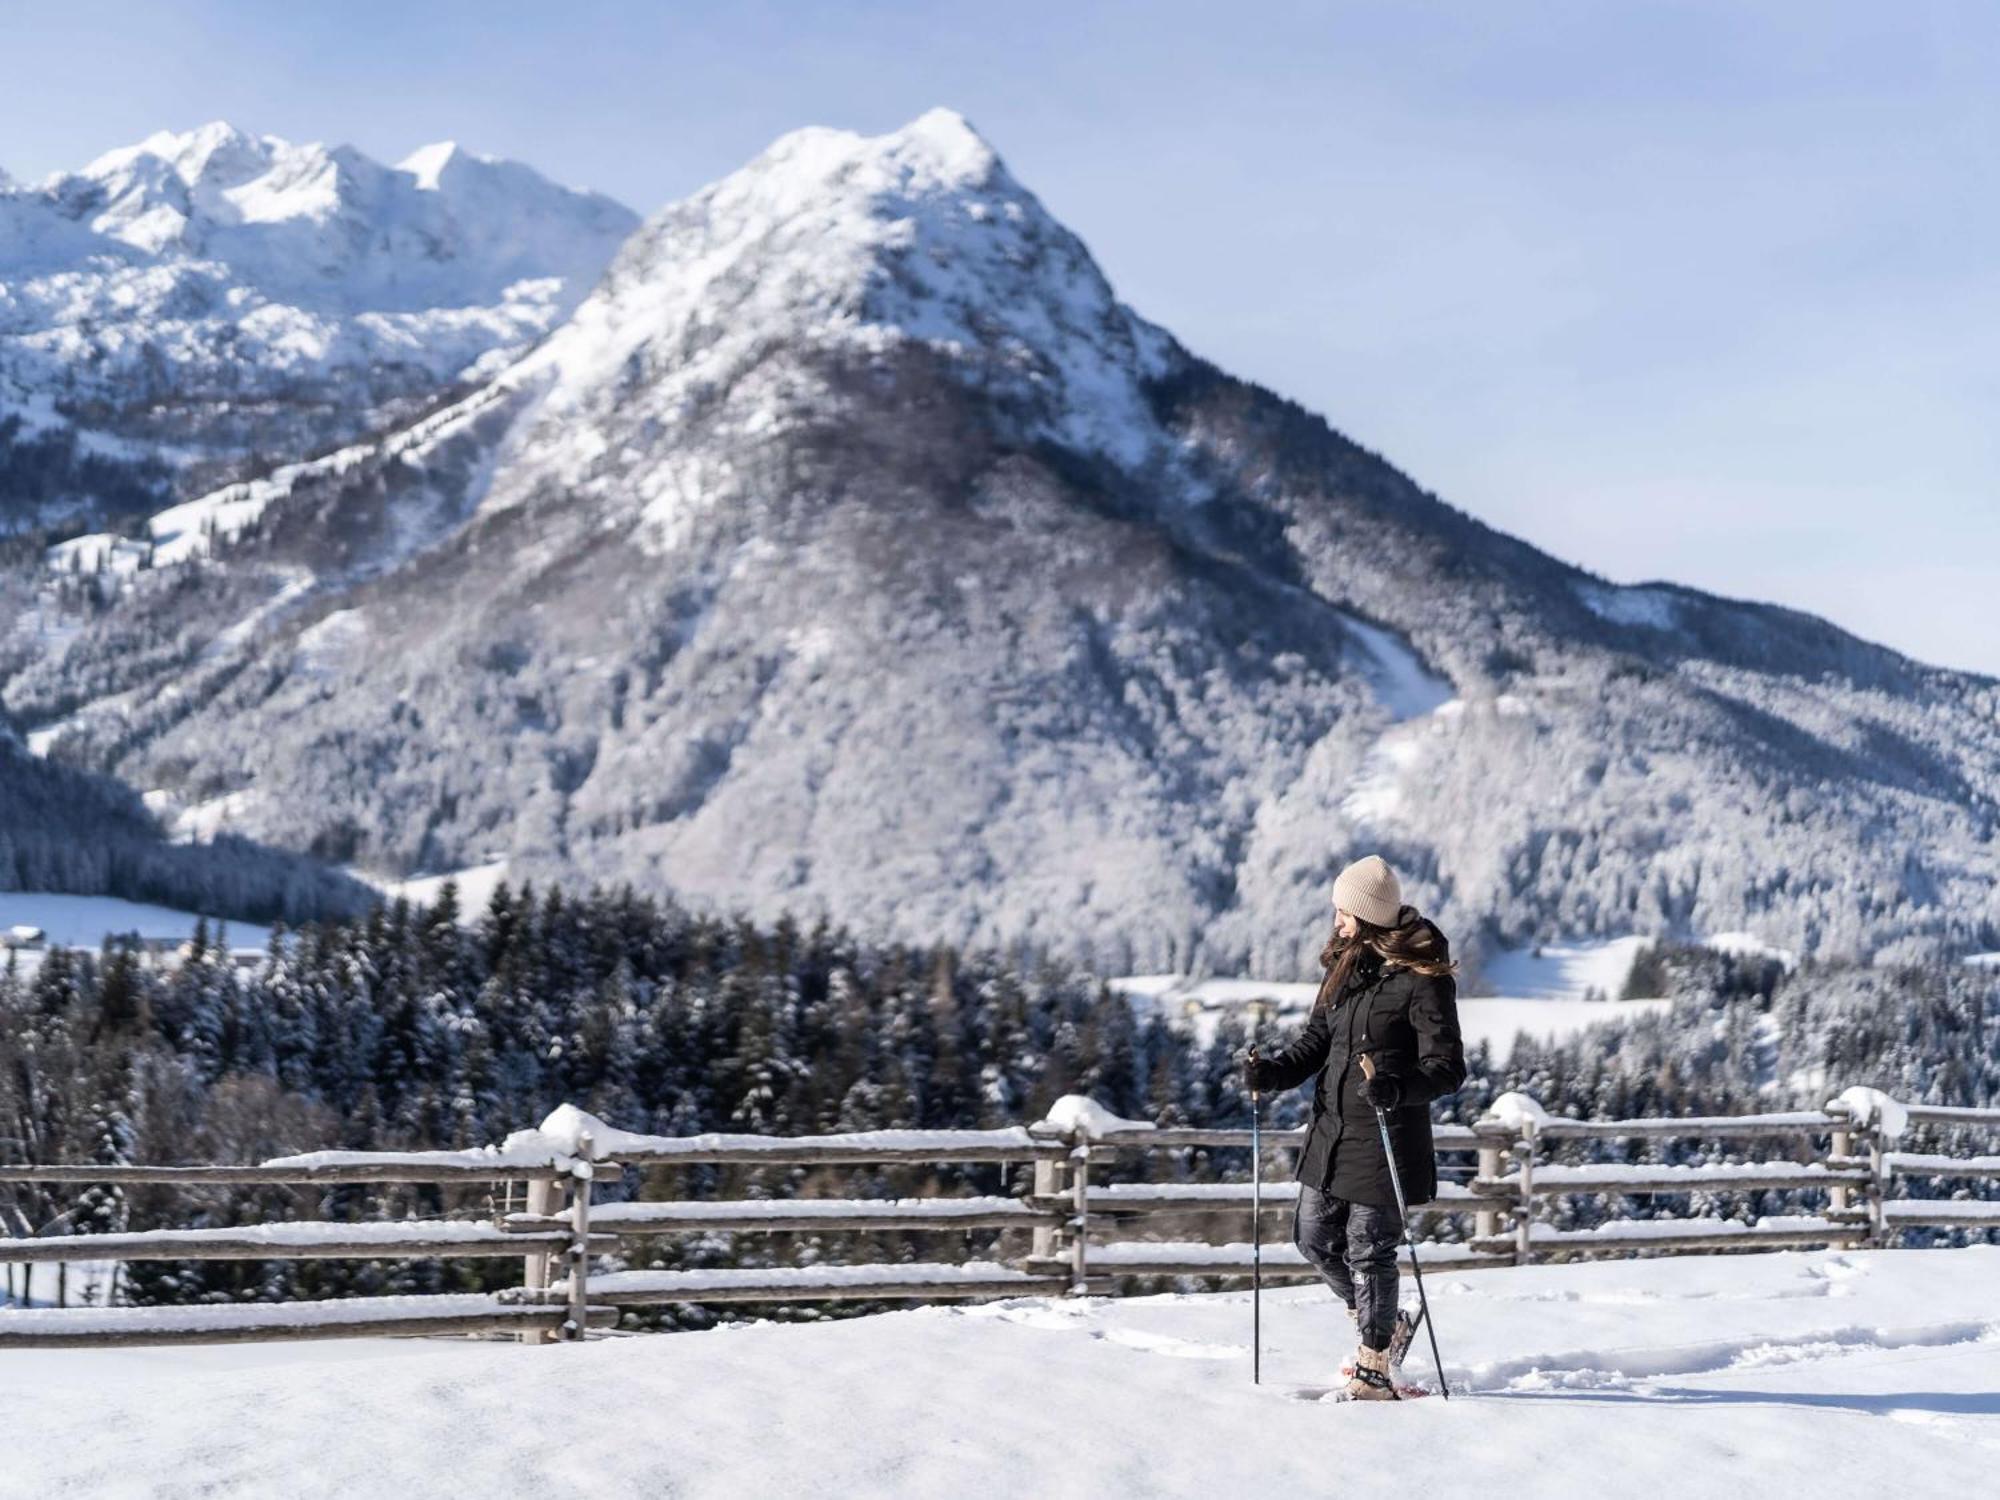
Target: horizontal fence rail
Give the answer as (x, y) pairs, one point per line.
(438, 1173)
(824, 1284)
(1553, 1180)
(304, 1240)
(770, 1215)
(1078, 1229)
(1691, 1127)
(349, 1317)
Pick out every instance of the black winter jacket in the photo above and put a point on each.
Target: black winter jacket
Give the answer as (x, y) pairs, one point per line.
(1408, 1022)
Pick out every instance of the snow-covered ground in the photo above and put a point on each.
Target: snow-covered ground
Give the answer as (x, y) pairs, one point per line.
(1769, 1375)
(84, 921)
(1749, 945)
(1201, 1005)
(1565, 971)
(1498, 1021)
(1548, 992)
(475, 886)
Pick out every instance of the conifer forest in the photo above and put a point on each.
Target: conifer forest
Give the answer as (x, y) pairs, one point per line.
(412, 1029)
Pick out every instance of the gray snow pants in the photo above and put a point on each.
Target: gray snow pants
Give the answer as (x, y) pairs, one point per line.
(1353, 1247)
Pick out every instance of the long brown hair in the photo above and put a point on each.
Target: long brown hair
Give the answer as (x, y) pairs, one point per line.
(1412, 943)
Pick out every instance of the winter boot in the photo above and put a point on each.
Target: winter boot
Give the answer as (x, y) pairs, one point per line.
(1371, 1380)
(1399, 1341)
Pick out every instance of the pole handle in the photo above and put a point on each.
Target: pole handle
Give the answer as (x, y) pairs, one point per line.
(1367, 1067)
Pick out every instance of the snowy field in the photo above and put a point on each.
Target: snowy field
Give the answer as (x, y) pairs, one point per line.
(1498, 1021)
(1563, 971)
(1549, 992)
(1798, 1374)
(83, 921)
(1202, 1004)
(475, 887)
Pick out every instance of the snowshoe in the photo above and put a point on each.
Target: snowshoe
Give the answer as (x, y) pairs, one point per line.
(1400, 1338)
(1337, 1394)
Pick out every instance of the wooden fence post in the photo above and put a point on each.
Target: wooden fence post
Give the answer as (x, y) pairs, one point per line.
(1486, 1219)
(1524, 1212)
(1840, 1154)
(580, 1178)
(1048, 1185)
(1079, 1246)
(1878, 1191)
(544, 1197)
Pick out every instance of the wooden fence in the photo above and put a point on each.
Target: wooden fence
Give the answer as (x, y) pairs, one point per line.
(1077, 1228)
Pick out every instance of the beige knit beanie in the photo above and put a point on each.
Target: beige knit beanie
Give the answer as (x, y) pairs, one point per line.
(1369, 889)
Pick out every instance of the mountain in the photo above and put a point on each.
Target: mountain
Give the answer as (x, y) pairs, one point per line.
(180, 309)
(852, 549)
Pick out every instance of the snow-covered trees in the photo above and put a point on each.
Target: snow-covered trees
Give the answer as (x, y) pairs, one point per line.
(409, 1030)
(63, 829)
(1745, 1034)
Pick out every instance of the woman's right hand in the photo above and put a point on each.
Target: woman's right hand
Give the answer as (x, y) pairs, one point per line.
(1256, 1072)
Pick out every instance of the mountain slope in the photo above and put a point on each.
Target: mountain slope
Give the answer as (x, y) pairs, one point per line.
(852, 548)
(200, 300)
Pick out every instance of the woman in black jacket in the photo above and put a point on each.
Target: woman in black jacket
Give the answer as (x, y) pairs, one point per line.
(1388, 992)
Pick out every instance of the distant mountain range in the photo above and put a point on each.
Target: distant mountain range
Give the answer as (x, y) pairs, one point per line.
(189, 307)
(850, 548)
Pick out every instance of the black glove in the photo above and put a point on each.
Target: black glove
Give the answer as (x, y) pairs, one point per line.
(1382, 1091)
(1256, 1072)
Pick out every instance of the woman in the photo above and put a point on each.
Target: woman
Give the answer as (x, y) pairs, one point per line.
(1388, 992)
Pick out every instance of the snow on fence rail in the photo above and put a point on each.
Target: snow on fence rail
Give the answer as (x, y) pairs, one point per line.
(245, 1322)
(1072, 1222)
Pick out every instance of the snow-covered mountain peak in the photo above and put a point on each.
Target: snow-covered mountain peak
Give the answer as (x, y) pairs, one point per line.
(939, 150)
(190, 154)
(172, 191)
(949, 139)
(838, 246)
(331, 218)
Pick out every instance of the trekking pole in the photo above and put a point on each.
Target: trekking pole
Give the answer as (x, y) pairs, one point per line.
(1256, 1240)
(1396, 1184)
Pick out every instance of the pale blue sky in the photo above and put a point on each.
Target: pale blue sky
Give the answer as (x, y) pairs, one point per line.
(1702, 291)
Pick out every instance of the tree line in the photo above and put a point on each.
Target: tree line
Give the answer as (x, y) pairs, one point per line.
(410, 1029)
